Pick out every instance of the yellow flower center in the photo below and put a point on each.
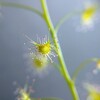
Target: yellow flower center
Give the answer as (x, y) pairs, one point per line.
(40, 62)
(93, 92)
(95, 96)
(88, 14)
(98, 64)
(25, 96)
(44, 48)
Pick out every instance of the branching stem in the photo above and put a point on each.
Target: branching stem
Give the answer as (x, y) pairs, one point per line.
(65, 18)
(82, 66)
(25, 7)
(66, 75)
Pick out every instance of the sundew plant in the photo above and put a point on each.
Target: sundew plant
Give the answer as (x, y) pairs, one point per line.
(46, 49)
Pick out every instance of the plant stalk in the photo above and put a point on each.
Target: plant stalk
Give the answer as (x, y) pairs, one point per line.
(21, 6)
(66, 75)
(82, 66)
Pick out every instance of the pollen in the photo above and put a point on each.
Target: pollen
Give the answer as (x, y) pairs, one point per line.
(25, 96)
(93, 92)
(40, 62)
(88, 14)
(44, 48)
(98, 64)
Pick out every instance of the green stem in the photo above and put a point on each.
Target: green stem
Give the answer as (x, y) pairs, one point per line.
(82, 66)
(60, 56)
(65, 18)
(70, 15)
(46, 99)
(8, 4)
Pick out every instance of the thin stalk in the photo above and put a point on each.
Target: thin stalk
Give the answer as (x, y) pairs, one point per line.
(60, 56)
(82, 66)
(46, 99)
(65, 18)
(70, 15)
(25, 7)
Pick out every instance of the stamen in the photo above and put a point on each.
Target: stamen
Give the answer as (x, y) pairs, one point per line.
(50, 58)
(52, 54)
(31, 41)
(43, 47)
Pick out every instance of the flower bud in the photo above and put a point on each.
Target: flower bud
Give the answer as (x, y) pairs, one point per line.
(39, 62)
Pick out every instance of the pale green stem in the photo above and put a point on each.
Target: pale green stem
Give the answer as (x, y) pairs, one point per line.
(60, 56)
(65, 18)
(45, 99)
(25, 7)
(68, 16)
(82, 66)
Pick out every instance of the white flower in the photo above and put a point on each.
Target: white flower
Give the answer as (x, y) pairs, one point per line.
(43, 47)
